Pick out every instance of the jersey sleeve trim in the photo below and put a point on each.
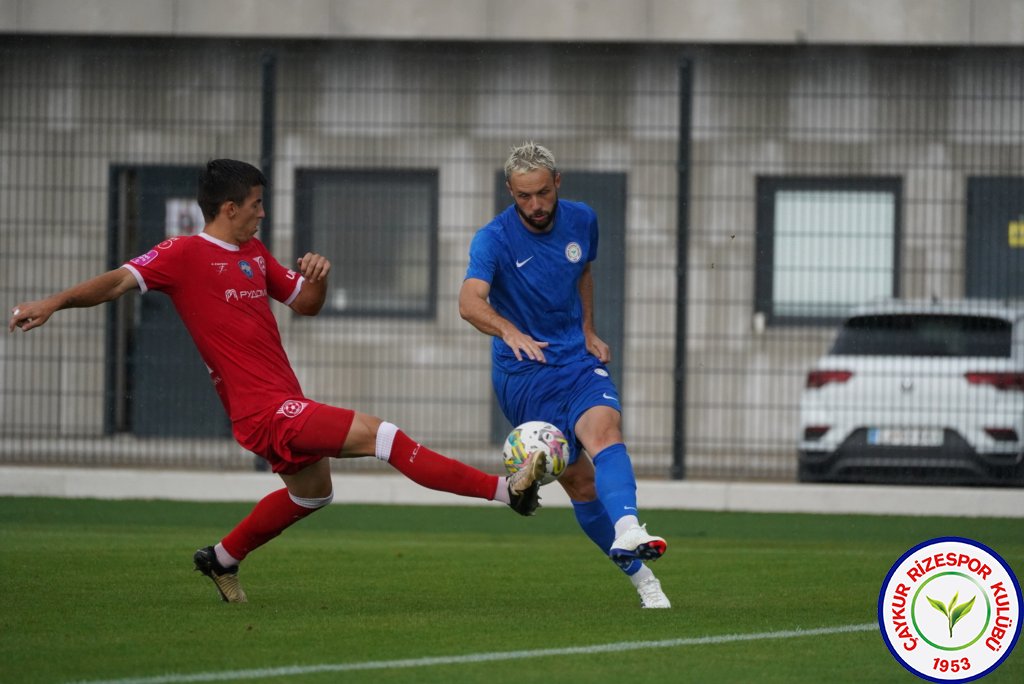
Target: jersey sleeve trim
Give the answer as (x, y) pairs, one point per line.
(295, 292)
(138, 277)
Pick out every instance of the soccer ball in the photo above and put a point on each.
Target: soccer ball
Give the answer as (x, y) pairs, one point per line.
(536, 435)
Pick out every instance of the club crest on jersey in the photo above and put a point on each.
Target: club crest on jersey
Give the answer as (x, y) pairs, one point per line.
(573, 252)
(292, 408)
(246, 268)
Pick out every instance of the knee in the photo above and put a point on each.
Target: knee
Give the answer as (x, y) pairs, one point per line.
(370, 423)
(579, 486)
(311, 487)
(362, 435)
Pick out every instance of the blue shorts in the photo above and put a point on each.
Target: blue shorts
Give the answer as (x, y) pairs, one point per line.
(556, 394)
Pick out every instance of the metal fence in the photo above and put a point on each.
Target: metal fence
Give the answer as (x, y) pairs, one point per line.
(822, 180)
(99, 137)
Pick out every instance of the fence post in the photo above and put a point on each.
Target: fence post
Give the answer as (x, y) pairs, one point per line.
(682, 259)
(268, 90)
(268, 95)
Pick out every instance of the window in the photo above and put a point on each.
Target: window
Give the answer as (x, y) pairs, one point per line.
(924, 335)
(825, 245)
(379, 229)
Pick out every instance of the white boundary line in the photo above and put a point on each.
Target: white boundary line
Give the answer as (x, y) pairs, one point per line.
(295, 670)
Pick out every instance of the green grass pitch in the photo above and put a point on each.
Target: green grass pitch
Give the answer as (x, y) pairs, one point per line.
(104, 590)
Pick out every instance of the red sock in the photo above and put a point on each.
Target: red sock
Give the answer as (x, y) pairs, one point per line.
(434, 471)
(271, 515)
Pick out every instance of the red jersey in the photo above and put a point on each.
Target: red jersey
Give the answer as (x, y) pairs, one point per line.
(221, 293)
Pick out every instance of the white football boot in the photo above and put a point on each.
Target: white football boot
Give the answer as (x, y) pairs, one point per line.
(651, 594)
(636, 543)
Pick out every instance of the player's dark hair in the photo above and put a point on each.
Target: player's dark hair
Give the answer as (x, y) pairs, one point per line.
(226, 180)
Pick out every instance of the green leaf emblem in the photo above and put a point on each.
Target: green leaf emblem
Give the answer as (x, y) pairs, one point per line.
(938, 605)
(955, 612)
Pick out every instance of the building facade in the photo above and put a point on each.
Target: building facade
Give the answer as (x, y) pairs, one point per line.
(693, 129)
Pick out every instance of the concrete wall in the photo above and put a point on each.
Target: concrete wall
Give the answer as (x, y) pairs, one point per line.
(930, 122)
(69, 113)
(866, 22)
(69, 108)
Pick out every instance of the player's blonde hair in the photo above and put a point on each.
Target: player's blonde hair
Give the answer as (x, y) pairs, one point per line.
(529, 157)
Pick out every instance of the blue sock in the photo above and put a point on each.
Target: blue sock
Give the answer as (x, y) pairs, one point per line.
(594, 521)
(616, 484)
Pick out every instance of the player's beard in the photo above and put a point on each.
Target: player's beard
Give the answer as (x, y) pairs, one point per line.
(542, 224)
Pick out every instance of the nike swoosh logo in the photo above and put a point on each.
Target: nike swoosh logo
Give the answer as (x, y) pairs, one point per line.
(520, 264)
(608, 396)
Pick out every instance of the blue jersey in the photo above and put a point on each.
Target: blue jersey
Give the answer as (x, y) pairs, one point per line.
(534, 279)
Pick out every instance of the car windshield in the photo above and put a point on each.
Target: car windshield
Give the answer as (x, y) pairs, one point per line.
(924, 335)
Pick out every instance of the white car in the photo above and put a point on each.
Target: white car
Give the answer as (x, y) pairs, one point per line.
(918, 392)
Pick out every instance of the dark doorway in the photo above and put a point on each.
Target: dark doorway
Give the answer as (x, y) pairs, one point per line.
(157, 384)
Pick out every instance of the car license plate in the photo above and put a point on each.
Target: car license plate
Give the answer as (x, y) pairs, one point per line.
(916, 437)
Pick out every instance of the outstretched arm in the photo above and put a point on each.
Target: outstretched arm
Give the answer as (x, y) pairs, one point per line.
(478, 312)
(595, 345)
(102, 288)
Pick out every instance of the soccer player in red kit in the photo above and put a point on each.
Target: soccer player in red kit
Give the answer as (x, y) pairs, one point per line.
(221, 282)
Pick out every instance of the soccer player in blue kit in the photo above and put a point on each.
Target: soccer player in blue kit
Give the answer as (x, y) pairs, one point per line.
(529, 285)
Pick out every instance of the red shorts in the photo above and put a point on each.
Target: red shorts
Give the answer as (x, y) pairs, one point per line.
(296, 434)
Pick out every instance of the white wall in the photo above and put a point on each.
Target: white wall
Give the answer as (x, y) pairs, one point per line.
(868, 22)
